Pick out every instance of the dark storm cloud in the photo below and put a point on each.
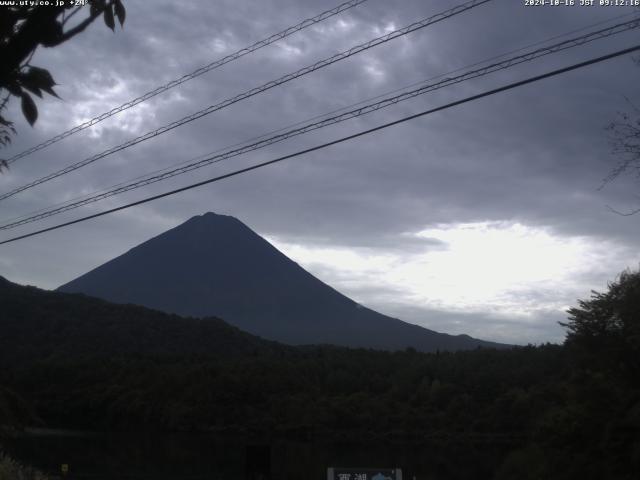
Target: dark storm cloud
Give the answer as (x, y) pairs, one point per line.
(535, 155)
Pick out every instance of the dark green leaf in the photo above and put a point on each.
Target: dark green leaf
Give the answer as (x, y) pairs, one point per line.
(45, 80)
(36, 79)
(121, 13)
(32, 88)
(14, 88)
(51, 91)
(96, 7)
(29, 108)
(43, 77)
(51, 34)
(108, 18)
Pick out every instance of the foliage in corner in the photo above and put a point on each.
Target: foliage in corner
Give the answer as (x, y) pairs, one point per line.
(606, 328)
(25, 27)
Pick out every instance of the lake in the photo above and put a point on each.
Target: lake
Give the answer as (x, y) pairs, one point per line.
(100, 456)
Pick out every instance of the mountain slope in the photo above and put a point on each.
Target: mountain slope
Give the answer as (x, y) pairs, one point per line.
(214, 265)
(38, 324)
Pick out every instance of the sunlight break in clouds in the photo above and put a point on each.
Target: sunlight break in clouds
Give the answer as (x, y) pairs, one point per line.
(496, 268)
(493, 265)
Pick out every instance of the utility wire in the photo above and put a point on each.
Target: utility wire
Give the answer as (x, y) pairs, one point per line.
(215, 158)
(316, 117)
(196, 73)
(504, 88)
(273, 83)
(323, 115)
(302, 122)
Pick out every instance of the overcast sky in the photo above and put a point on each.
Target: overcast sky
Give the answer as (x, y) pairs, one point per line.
(483, 219)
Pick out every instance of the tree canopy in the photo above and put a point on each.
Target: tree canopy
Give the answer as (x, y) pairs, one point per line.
(607, 326)
(556, 412)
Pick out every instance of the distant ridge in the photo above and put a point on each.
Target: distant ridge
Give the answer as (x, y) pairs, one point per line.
(38, 324)
(214, 265)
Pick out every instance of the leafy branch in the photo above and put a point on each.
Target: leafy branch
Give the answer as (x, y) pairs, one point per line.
(22, 30)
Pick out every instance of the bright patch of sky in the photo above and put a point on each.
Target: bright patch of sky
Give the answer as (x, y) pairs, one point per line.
(501, 269)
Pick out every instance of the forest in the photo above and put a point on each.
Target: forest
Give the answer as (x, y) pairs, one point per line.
(547, 411)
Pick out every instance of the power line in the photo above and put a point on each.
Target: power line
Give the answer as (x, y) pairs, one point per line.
(167, 173)
(341, 109)
(254, 91)
(196, 73)
(315, 117)
(504, 88)
(209, 159)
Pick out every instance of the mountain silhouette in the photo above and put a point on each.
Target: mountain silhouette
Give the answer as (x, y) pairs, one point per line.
(214, 265)
(36, 325)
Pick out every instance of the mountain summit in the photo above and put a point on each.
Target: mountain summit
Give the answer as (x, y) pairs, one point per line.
(214, 265)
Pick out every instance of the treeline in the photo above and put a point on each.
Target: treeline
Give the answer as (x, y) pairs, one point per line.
(316, 389)
(570, 411)
(530, 402)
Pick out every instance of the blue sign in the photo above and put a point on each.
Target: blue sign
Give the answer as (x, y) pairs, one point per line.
(334, 473)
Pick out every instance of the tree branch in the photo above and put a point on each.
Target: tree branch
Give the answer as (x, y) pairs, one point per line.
(81, 26)
(68, 17)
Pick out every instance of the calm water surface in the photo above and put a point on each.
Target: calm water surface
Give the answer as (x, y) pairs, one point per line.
(201, 456)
